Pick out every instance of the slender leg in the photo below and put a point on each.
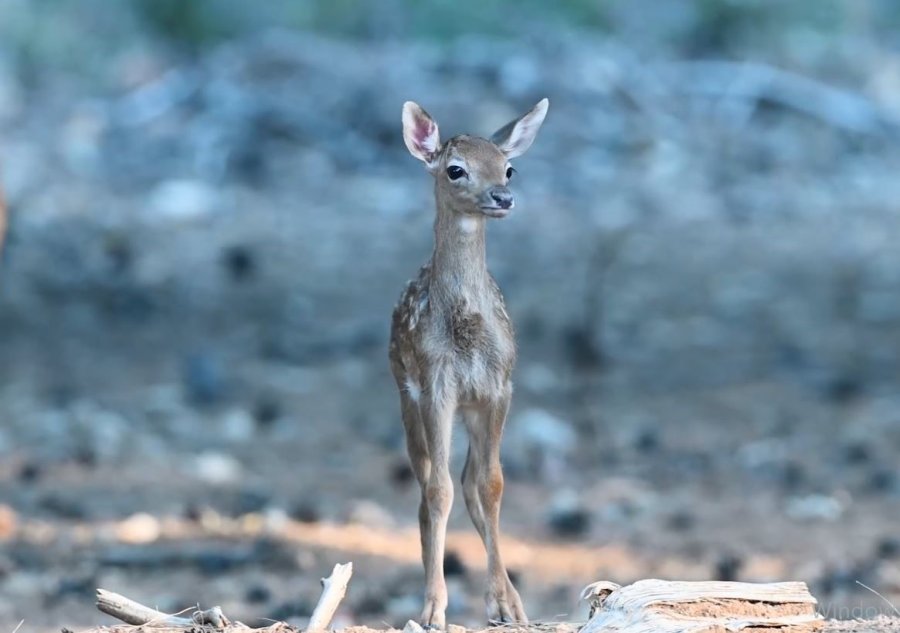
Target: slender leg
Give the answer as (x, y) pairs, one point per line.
(437, 422)
(483, 490)
(420, 463)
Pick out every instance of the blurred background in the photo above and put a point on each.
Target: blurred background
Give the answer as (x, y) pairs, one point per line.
(213, 213)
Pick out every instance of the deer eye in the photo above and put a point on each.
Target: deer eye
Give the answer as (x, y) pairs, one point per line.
(509, 172)
(455, 172)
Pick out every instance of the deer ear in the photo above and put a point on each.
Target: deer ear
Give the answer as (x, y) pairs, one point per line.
(517, 136)
(420, 133)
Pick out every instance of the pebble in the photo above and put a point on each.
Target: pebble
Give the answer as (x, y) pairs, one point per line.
(182, 200)
(567, 516)
(9, 522)
(413, 627)
(370, 514)
(815, 507)
(138, 529)
(218, 469)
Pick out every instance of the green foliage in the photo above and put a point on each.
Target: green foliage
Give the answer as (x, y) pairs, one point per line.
(200, 22)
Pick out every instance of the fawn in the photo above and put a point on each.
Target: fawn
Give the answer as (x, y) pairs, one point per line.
(453, 349)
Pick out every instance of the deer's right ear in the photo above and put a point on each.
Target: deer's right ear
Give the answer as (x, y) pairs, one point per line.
(420, 133)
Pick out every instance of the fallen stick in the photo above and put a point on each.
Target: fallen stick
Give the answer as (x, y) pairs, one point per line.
(132, 612)
(333, 589)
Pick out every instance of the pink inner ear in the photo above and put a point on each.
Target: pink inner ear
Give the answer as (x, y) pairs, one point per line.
(424, 130)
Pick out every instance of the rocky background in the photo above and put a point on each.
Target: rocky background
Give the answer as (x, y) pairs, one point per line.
(212, 214)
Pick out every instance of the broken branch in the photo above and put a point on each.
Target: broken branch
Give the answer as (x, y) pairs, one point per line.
(132, 612)
(333, 589)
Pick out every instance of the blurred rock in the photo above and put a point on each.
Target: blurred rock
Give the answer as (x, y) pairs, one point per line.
(882, 480)
(728, 567)
(203, 378)
(681, 521)
(292, 612)
(453, 564)
(239, 262)
(138, 529)
(403, 607)
(539, 443)
(182, 201)
(857, 452)
(237, 426)
(8, 522)
(257, 594)
(568, 516)
(371, 514)
(413, 627)
(814, 507)
(402, 474)
(266, 411)
(217, 469)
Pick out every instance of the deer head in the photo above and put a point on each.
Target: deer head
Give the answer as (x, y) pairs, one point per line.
(471, 173)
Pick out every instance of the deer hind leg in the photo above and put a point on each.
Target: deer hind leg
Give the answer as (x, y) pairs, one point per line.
(483, 490)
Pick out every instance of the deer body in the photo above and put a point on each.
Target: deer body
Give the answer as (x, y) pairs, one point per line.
(452, 348)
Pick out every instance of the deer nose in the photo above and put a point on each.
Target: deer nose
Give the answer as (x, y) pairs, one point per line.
(502, 196)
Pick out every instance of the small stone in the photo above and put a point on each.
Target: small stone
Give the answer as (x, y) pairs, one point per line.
(182, 200)
(413, 627)
(647, 440)
(681, 521)
(399, 608)
(304, 511)
(728, 567)
(453, 564)
(814, 507)
(402, 474)
(239, 262)
(370, 514)
(9, 522)
(138, 529)
(294, 610)
(567, 516)
(237, 425)
(540, 443)
(257, 594)
(266, 411)
(888, 548)
(217, 469)
(882, 480)
(203, 378)
(30, 472)
(248, 501)
(858, 452)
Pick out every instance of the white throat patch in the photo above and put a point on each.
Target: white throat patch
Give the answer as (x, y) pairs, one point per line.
(468, 224)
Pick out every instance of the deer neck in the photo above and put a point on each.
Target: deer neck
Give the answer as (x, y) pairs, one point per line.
(458, 264)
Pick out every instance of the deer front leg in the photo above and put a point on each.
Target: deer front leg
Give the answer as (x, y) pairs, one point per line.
(437, 422)
(483, 490)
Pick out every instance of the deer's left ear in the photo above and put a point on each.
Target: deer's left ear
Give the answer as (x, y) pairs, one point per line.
(420, 133)
(517, 136)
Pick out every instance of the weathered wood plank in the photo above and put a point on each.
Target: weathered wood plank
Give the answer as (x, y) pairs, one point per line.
(663, 606)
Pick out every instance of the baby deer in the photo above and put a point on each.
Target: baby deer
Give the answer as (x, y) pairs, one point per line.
(452, 347)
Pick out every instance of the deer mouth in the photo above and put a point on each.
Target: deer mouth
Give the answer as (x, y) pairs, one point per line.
(496, 211)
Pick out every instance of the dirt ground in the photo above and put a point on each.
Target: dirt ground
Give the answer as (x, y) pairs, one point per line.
(213, 518)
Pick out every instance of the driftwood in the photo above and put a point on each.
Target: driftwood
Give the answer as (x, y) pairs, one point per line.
(701, 607)
(131, 612)
(333, 589)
